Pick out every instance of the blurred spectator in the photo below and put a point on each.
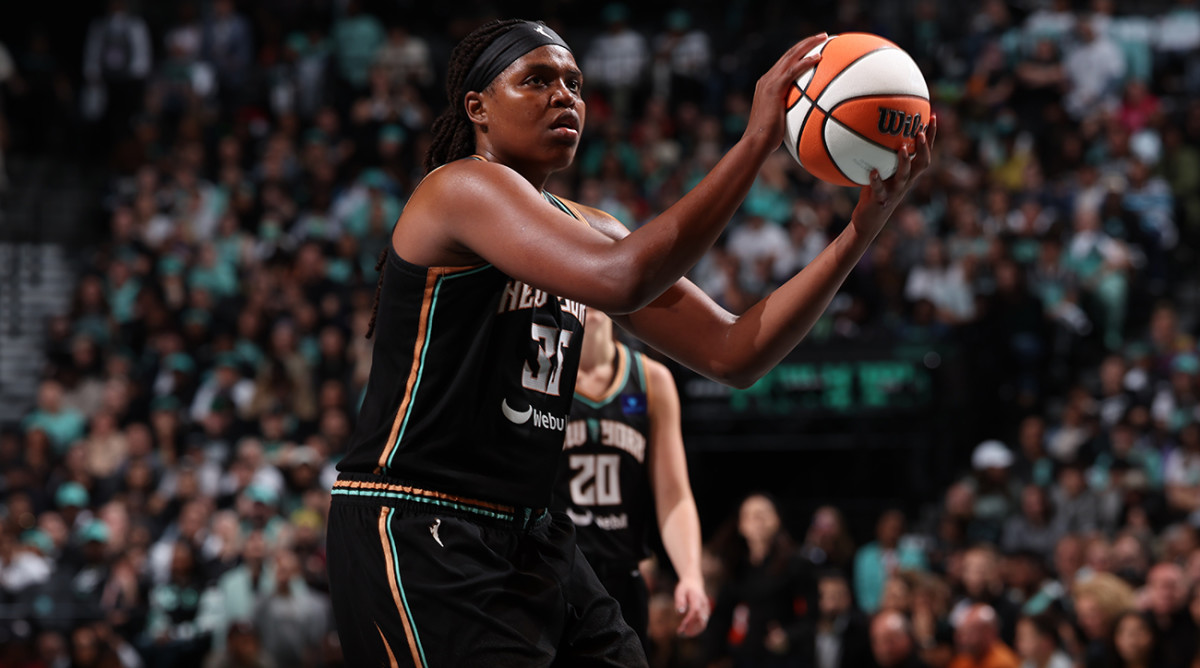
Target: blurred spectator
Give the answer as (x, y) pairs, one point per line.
(757, 243)
(983, 585)
(1051, 21)
(882, 558)
(74, 591)
(1076, 508)
(681, 60)
(941, 282)
(978, 643)
(22, 563)
(1177, 406)
(405, 58)
(225, 382)
(182, 615)
(1039, 83)
(243, 649)
(62, 425)
(839, 637)
(357, 37)
(766, 590)
(1181, 472)
(117, 58)
(993, 489)
(892, 643)
(1100, 263)
(616, 62)
(827, 543)
(1172, 635)
(186, 36)
(1037, 643)
(1032, 465)
(298, 81)
(1033, 528)
(1099, 601)
(1094, 67)
(227, 44)
(292, 618)
(1135, 645)
(241, 586)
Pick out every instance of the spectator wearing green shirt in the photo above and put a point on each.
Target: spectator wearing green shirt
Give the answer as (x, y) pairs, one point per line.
(62, 425)
(357, 37)
(883, 557)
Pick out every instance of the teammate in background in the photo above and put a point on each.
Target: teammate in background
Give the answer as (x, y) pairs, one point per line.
(440, 550)
(623, 452)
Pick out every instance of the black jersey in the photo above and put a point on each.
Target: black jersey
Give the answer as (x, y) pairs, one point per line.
(471, 382)
(603, 480)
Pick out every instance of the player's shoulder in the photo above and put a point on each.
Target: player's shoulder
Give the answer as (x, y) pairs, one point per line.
(471, 172)
(597, 218)
(657, 373)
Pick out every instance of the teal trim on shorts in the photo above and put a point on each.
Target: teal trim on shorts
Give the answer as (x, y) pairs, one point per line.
(400, 496)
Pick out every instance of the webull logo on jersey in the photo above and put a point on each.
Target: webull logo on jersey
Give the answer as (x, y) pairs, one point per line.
(614, 522)
(540, 419)
(895, 122)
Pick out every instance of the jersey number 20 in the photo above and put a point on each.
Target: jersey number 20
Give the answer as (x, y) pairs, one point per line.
(596, 480)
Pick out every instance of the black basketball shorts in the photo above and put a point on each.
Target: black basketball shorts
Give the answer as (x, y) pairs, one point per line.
(626, 585)
(421, 578)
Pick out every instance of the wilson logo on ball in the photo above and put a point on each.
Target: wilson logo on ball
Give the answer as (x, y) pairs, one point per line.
(896, 123)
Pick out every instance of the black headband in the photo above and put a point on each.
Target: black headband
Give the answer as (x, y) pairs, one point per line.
(522, 38)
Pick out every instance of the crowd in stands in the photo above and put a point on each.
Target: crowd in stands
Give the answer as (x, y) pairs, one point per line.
(164, 503)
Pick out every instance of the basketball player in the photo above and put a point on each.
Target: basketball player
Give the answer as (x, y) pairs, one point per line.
(623, 452)
(440, 549)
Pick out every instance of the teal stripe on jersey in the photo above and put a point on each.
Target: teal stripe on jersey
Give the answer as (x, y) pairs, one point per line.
(424, 349)
(401, 496)
(553, 199)
(641, 369)
(399, 585)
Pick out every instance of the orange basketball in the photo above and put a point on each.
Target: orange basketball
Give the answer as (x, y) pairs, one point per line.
(851, 113)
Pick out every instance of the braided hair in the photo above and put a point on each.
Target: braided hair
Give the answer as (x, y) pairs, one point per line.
(453, 132)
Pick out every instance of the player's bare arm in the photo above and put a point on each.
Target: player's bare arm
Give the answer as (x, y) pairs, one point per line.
(678, 520)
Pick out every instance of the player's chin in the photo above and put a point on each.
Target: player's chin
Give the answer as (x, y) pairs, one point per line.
(561, 153)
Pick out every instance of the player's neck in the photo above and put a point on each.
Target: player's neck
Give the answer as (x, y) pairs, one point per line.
(597, 363)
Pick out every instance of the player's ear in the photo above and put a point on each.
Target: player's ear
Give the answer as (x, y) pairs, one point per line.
(476, 110)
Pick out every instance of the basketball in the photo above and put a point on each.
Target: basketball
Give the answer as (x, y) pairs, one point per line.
(865, 100)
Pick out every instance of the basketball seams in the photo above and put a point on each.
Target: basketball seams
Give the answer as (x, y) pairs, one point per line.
(796, 85)
(829, 154)
(865, 138)
(909, 96)
(846, 68)
(855, 131)
(859, 135)
(803, 123)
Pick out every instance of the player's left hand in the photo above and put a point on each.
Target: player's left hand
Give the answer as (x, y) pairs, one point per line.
(693, 604)
(877, 201)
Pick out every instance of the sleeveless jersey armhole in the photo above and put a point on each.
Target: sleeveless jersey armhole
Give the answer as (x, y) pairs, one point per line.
(638, 364)
(571, 208)
(392, 246)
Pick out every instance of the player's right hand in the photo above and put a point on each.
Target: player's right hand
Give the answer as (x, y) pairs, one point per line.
(767, 112)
